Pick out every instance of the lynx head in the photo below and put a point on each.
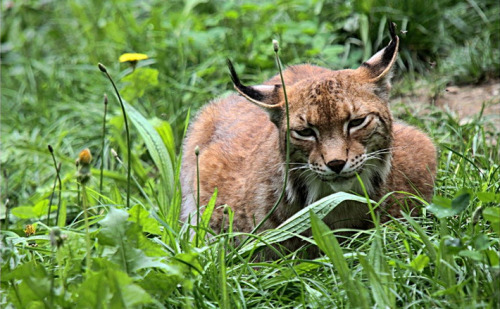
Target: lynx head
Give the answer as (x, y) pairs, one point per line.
(340, 123)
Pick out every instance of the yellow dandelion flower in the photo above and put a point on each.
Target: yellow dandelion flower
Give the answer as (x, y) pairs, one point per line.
(132, 57)
(30, 230)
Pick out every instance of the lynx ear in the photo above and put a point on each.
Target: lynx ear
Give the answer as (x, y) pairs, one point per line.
(265, 96)
(377, 69)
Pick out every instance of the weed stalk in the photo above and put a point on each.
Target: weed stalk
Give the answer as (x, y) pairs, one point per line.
(197, 153)
(58, 179)
(7, 208)
(103, 140)
(83, 176)
(287, 146)
(87, 233)
(129, 161)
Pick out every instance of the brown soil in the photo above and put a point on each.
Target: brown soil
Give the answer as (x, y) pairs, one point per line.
(465, 101)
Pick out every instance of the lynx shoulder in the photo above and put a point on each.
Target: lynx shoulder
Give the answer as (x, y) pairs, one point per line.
(340, 126)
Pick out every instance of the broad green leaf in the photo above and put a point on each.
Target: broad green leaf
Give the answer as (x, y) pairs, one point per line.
(493, 257)
(137, 82)
(143, 218)
(191, 259)
(159, 284)
(41, 208)
(32, 285)
(300, 221)
(460, 202)
(473, 254)
(453, 245)
(24, 212)
(113, 227)
(110, 288)
(443, 208)
(492, 214)
(161, 158)
(420, 262)
(165, 130)
(30, 212)
(488, 197)
(441, 201)
(126, 245)
(481, 242)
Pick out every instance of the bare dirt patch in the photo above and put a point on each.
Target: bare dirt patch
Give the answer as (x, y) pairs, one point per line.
(465, 101)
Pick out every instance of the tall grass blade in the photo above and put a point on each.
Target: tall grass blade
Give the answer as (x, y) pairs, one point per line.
(380, 282)
(429, 246)
(161, 158)
(205, 217)
(328, 243)
(223, 275)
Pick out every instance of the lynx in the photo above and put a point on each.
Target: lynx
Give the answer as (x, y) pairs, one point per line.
(340, 127)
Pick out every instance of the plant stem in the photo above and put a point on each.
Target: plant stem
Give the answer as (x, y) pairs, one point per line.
(197, 153)
(287, 146)
(58, 178)
(87, 234)
(78, 194)
(50, 201)
(105, 71)
(103, 141)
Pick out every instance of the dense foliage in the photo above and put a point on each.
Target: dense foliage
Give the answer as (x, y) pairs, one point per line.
(68, 235)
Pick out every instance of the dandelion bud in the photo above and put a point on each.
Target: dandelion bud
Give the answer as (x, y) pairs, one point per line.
(85, 156)
(83, 165)
(51, 149)
(102, 68)
(276, 46)
(197, 151)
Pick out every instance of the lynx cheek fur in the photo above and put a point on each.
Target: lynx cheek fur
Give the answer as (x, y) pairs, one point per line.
(340, 125)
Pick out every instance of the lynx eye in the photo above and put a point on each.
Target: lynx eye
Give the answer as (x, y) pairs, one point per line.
(356, 122)
(307, 132)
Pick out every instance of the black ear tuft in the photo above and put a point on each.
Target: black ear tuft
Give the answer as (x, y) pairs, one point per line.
(381, 62)
(377, 69)
(232, 72)
(391, 49)
(247, 91)
(392, 29)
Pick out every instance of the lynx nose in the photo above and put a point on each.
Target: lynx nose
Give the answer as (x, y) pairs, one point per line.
(336, 165)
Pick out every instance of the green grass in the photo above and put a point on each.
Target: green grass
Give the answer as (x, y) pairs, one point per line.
(141, 256)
